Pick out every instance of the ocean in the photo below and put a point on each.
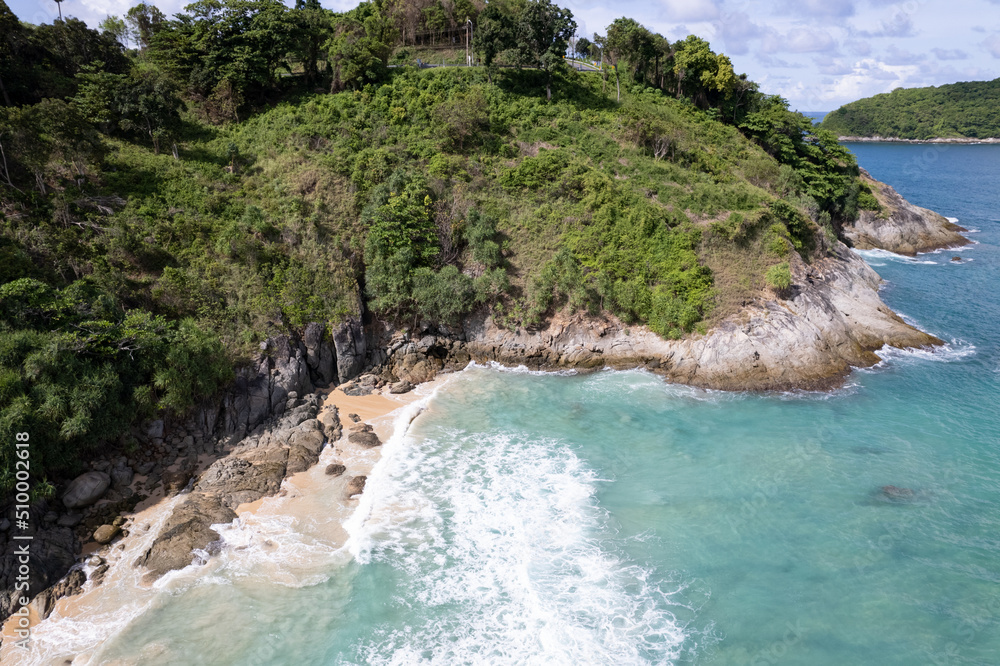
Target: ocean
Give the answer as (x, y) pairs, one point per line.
(610, 518)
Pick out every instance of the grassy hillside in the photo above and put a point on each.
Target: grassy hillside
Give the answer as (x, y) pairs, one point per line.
(948, 111)
(157, 224)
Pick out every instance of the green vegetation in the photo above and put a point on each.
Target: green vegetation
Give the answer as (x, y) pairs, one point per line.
(950, 111)
(247, 168)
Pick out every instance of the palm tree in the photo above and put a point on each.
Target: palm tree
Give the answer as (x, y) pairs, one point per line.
(59, 5)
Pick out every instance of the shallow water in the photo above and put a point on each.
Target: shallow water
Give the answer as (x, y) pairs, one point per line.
(612, 519)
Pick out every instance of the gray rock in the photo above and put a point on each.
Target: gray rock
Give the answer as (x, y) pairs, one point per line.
(237, 480)
(187, 529)
(50, 517)
(121, 476)
(902, 227)
(330, 421)
(319, 354)
(86, 489)
(401, 387)
(97, 575)
(145, 468)
(154, 430)
(349, 342)
(4, 524)
(335, 469)
(365, 438)
(70, 519)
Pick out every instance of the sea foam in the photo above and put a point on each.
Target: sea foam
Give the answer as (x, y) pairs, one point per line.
(509, 559)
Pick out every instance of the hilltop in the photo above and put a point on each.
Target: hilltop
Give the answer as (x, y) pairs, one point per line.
(955, 111)
(171, 209)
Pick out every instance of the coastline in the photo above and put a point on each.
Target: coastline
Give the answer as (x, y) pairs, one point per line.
(265, 437)
(937, 140)
(298, 496)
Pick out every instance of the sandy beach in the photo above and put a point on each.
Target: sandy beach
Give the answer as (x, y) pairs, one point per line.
(314, 498)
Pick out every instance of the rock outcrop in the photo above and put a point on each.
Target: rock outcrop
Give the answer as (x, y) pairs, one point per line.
(900, 227)
(831, 320)
(86, 489)
(254, 469)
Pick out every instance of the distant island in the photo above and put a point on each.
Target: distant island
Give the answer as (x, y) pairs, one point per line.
(955, 111)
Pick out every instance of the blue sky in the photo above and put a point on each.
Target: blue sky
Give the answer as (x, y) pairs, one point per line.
(817, 53)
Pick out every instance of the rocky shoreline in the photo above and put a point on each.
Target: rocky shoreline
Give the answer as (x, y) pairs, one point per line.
(936, 140)
(269, 424)
(900, 226)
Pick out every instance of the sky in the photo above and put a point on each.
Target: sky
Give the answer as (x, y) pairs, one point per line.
(818, 54)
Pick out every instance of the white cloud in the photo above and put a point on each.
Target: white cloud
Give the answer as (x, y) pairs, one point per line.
(799, 40)
(688, 10)
(992, 44)
(950, 54)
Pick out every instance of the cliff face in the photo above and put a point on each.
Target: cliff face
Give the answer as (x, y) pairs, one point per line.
(831, 320)
(903, 228)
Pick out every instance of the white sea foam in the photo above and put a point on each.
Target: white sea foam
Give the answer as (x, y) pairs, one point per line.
(955, 350)
(501, 539)
(520, 369)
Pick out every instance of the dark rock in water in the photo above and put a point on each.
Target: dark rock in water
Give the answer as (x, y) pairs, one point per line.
(189, 528)
(897, 494)
(356, 486)
(86, 489)
(46, 600)
(97, 575)
(335, 469)
(956, 258)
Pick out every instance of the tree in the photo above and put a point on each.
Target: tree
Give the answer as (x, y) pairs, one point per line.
(360, 47)
(543, 34)
(146, 105)
(117, 28)
(314, 30)
(495, 36)
(144, 21)
(700, 72)
(583, 46)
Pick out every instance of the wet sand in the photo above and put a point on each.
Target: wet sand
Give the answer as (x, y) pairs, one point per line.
(309, 498)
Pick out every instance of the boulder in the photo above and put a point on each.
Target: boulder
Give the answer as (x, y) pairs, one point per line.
(121, 476)
(106, 533)
(238, 480)
(71, 519)
(335, 469)
(401, 387)
(364, 437)
(188, 528)
(330, 421)
(86, 489)
(356, 486)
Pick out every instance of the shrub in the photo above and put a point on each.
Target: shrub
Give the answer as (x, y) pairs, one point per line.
(779, 277)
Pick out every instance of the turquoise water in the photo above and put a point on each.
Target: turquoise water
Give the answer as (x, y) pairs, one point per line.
(612, 519)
